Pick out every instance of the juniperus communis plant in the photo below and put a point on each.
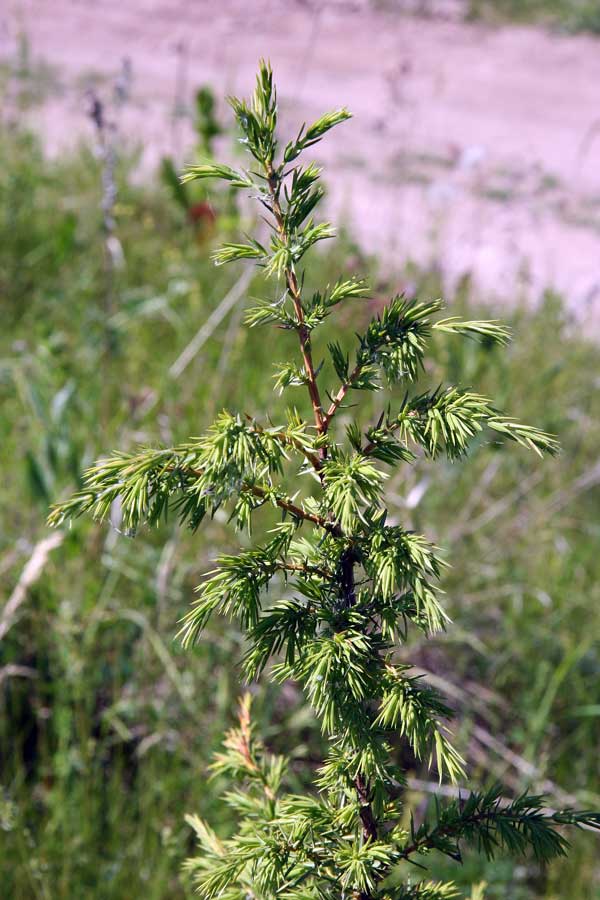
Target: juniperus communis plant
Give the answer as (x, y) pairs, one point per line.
(346, 583)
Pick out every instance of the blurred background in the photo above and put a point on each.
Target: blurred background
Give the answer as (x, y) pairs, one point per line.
(471, 170)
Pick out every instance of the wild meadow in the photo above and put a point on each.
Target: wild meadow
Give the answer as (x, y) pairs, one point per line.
(566, 15)
(126, 334)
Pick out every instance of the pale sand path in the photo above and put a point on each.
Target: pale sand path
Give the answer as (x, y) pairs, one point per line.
(478, 149)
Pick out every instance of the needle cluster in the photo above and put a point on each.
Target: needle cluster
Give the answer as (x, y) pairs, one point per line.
(327, 598)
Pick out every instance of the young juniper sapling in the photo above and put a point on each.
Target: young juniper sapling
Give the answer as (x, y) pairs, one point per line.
(348, 583)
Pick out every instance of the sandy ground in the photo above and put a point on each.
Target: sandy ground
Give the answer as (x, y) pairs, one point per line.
(472, 148)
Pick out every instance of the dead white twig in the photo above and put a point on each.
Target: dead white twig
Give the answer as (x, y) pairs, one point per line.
(215, 318)
(30, 574)
(588, 479)
(14, 671)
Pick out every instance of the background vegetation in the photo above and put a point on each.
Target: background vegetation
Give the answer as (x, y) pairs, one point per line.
(106, 726)
(570, 15)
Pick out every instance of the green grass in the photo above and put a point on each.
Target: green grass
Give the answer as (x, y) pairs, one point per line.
(570, 15)
(107, 726)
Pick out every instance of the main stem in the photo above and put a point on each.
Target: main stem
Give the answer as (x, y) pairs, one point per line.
(369, 825)
(294, 291)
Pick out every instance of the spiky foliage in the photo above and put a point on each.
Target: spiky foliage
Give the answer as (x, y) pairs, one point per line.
(337, 585)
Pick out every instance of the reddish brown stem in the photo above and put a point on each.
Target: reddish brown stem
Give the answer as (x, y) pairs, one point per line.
(366, 813)
(294, 292)
(340, 396)
(294, 510)
(369, 824)
(283, 503)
